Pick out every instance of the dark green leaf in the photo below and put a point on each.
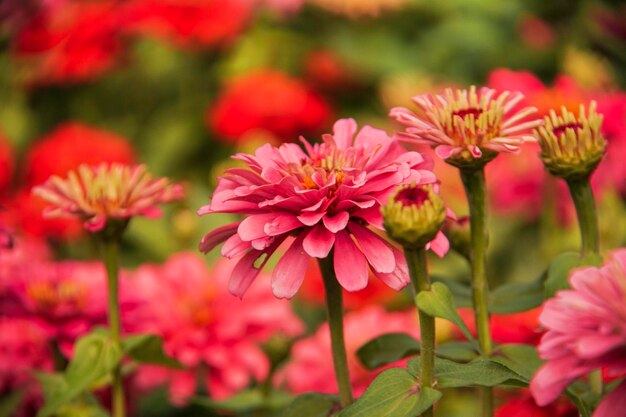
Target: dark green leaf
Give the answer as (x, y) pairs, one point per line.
(394, 393)
(438, 302)
(461, 292)
(479, 372)
(457, 351)
(148, 348)
(95, 355)
(249, 400)
(311, 405)
(516, 297)
(521, 359)
(561, 267)
(387, 349)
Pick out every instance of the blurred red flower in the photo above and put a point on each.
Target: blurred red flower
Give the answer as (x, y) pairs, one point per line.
(7, 164)
(189, 22)
(78, 41)
(523, 405)
(72, 144)
(267, 100)
(521, 327)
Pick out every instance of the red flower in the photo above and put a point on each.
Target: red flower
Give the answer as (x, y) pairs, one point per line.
(70, 145)
(267, 100)
(77, 42)
(189, 22)
(525, 406)
(521, 327)
(6, 164)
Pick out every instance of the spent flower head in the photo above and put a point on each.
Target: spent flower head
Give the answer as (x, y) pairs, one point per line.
(468, 128)
(324, 196)
(414, 215)
(99, 194)
(571, 146)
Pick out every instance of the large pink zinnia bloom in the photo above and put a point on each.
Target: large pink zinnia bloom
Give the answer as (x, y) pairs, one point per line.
(215, 335)
(586, 331)
(325, 196)
(468, 122)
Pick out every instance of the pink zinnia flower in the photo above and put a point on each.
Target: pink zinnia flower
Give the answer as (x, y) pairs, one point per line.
(464, 124)
(586, 331)
(108, 191)
(324, 196)
(310, 369)
(68, 298)
(215, 335)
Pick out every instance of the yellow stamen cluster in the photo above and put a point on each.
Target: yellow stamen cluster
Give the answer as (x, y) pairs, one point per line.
(572, 147)
(414, 224)
(47, 295)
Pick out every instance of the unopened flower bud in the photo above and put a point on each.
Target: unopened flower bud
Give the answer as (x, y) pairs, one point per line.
(414, 215)
(458, 233)
(572, 147)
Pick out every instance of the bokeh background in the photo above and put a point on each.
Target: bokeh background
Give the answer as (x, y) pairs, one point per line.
(180, 85)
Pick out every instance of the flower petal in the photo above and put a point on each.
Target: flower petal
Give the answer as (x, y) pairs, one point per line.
(290, 270)
(253, 227)
(399, 277)
(337, 222)
(614, 404)
(350, 263)
(217, 236)
(318, 242)
(440, 244)
(375, 249)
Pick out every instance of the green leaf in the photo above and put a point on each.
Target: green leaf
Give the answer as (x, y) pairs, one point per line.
(311, 405)
(477, 373)
(457, 351)
(148, 348)
(517, 297)
(394, 393)
(561, 267)
(461, 291)
(522, 359)
(249, 400)
(438, 302)
(95, 355)
(387, 349)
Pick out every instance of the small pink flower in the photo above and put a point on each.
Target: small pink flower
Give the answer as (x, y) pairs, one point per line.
(108, 191)
(310, 368)
(215, 335)
(586, 331)
(464, 124)
(325, 196)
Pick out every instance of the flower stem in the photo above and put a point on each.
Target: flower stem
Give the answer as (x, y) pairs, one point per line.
(474, 184)
(585, 203)
(111, 255)
(587, 217)
(416, 260)
(334, 308)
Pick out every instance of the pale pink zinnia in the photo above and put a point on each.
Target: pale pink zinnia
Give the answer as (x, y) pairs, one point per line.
(214, 335)
(310, 369)
(325, 196)
(465, 124)
(586, 331)
(98, 194)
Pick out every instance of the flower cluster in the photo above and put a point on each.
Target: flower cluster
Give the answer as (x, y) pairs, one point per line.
(324, 196)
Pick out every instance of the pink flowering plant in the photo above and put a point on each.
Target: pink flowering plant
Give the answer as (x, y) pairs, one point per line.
(365, 228)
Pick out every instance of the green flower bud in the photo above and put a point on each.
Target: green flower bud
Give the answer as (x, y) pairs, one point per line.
(414, 215)
(572, 147)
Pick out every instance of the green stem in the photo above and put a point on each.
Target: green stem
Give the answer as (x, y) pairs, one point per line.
(111, 255)
(587, 217)
(334, 308)
(416, 260)
(474, 184)
(585, 203)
